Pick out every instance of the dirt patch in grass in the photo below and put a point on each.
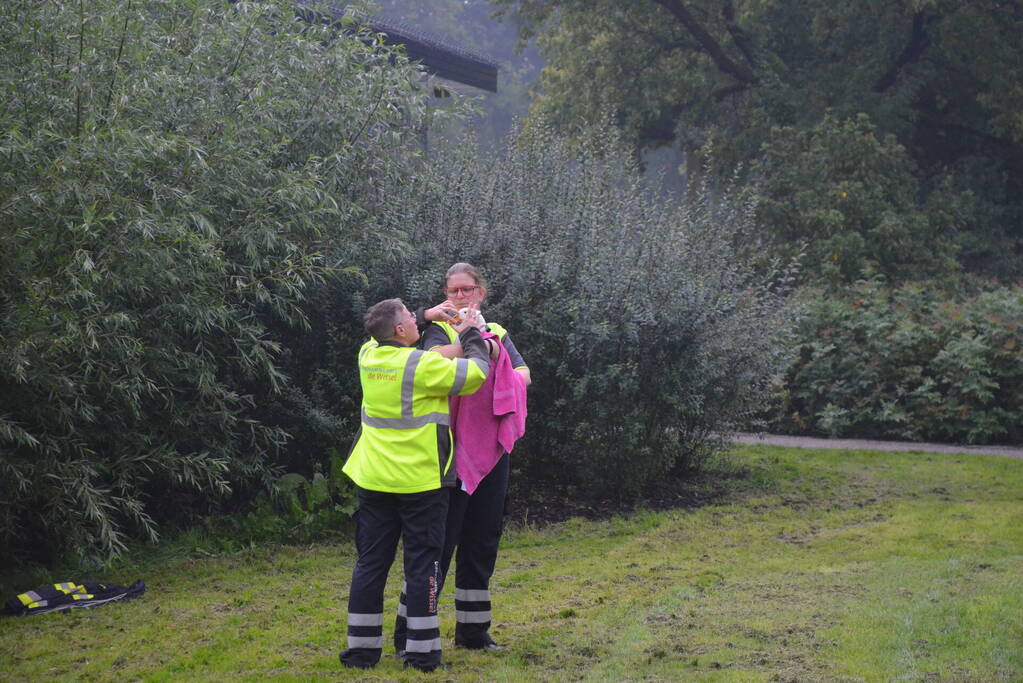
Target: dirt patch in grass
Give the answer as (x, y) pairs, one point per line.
(725, 480)
(685, 490)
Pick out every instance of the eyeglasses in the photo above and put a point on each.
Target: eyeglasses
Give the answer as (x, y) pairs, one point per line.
(464, 291)
(412, 318)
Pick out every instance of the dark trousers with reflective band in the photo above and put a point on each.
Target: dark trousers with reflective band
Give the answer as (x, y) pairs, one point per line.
(474, 526)
(381, 519)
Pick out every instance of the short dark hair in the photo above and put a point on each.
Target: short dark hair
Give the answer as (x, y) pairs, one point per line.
(382, 317)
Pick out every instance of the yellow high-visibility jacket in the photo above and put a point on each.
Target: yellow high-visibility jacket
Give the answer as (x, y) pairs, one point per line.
(404, 444)
(449, 331)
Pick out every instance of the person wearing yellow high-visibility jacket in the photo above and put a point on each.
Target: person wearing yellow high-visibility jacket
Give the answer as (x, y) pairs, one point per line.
(475, 521)
(401, 464)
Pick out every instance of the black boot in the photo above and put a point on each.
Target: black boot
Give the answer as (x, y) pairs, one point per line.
(359, 658)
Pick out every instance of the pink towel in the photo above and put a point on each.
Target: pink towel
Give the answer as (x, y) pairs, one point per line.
(487, 424)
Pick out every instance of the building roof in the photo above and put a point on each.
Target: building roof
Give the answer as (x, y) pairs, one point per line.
(450, 66)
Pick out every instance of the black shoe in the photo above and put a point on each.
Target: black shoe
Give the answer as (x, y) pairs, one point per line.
(487, 644)
(355, 664)
(425, 669)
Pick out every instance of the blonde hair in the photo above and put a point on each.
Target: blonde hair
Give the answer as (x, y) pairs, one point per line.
(470, 270)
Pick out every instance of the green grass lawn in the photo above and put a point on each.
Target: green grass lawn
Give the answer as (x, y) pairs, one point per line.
(815, 565)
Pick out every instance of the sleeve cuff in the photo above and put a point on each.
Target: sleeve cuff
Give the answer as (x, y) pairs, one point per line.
(421, 321)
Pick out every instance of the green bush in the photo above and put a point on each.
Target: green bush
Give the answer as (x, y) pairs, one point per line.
(650, 328)
(174, 176)
(852, 198)
(907, 363)
(298, 509)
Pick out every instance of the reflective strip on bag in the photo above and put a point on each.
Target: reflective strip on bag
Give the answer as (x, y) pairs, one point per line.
(29, 598)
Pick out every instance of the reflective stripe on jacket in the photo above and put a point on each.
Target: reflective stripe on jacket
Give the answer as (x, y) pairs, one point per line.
(404, 445)
(516, 357)
(453, 336)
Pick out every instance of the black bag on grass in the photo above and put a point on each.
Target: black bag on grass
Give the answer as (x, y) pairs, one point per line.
(69, 595)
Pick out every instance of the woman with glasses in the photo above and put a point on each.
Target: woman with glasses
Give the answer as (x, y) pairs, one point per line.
(475, 517)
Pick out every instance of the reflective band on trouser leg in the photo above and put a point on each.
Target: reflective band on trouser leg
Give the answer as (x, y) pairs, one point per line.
(472, 616)
(423, 530)
(477, 554)
(467, 617)
(472, 594)
(366, 631)
(377, 530)
(423, 634)
(400, 623)
(422, 638)
(472, 605)
(422, 645)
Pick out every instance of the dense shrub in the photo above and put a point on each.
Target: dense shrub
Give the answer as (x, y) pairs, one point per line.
(907, 363)
(173, 177)
(852, 197)
(298, 509)
(651, 329)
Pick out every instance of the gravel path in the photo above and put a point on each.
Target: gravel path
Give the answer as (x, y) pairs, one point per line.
(870, 445)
